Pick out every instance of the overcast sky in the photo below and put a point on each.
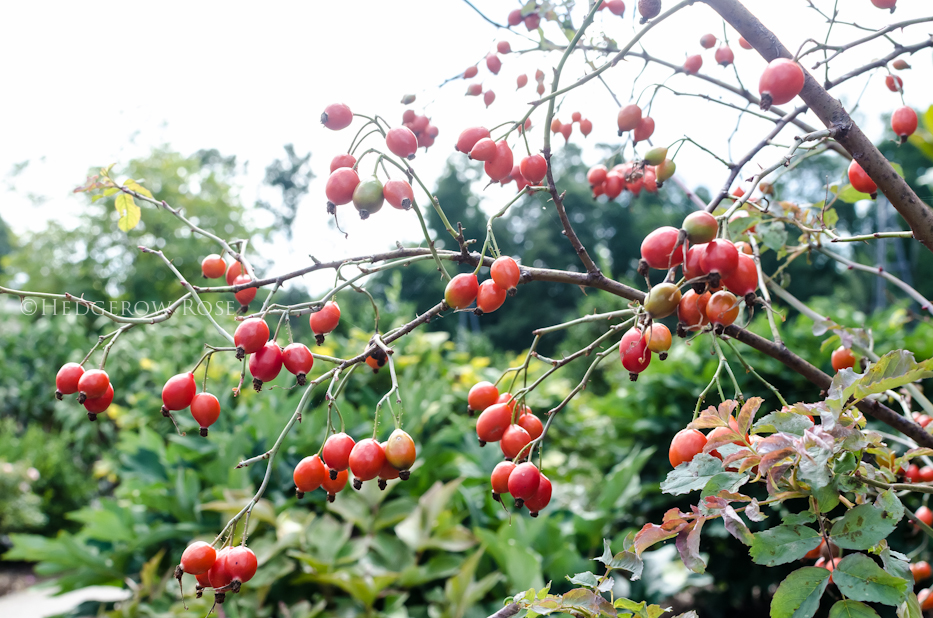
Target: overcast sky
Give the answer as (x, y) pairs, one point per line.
(97, 83)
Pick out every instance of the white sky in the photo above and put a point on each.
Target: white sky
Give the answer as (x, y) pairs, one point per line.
(91, 84)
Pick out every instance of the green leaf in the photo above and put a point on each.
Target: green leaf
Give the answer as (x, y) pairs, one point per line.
(866, 525)
(441, 566)
(740, 225)
(691, 476)
(898, 565)
(803, 517)
(518, 562)
(927, 118)
(586, 578)
(893, 370)
(851, 609)
(910, 608)
(622, 480)
(845, 463)
(149, 574)
(629, 605)
(656, 611)
(783, 544)
(849, 195)
(799, 594)
(773, 235)
(729, 481)
(830, 218)
(787, 422)
(827, 497)
(628, 561)
(128, 210)
(859, 577)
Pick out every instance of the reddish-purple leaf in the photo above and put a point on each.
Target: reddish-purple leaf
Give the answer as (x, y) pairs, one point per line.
(688, 544)
(735, 526)
(653, 533)
(747, 414)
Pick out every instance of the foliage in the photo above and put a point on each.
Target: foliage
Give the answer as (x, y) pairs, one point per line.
(828, 466)
(102, 265)
(20, 507)
(424, 538)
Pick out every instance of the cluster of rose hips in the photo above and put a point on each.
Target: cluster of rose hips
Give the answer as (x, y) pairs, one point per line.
(266, 361)
(94, 389)
(903, 123)
(501, 419)
(630, 119)
(463, 289)
(915, 473)
(904, 119)
(214, 267)
(498, 160)
(252, 335)
(224, 571)
(344, 184)
(720, 274)
(421, 126)
(723, 55)
(633, 176)
(494, 64)
(367, 459)
(531, 18)
(566, 128)
(539, 78)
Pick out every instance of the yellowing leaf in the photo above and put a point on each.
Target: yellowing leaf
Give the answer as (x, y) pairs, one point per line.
(128, 210)
(132, 185)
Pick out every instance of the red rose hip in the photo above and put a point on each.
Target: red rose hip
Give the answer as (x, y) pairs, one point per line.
(92, 384)
(250, 336)
(461, 291)
(66, 381)
(523, 482)
(205, 409)
(178, 392)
